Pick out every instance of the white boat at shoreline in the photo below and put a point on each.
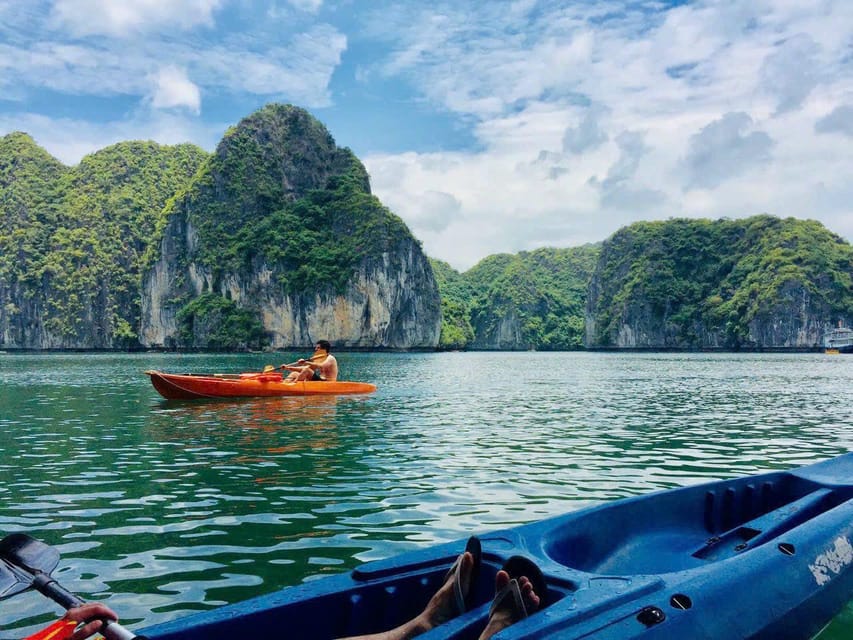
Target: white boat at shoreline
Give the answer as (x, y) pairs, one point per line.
(839, 340)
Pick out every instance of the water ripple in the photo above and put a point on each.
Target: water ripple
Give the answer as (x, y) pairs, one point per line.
(162, 508)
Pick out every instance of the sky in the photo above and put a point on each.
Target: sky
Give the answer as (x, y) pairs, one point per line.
(487, 126)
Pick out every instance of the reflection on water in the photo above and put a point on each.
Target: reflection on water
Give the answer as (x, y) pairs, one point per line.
(161, 508)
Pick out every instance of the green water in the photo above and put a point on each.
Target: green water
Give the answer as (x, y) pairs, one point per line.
(162, 508)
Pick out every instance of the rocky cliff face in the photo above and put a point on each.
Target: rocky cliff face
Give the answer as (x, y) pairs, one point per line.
(278, 206)
(71, 240)
(382, 307)
(785, 327)
(759, 283)
(500, 334)
(533, 300)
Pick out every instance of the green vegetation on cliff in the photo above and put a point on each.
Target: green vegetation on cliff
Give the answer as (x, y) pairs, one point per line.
(456, 297)
(112, 203)
(279, 198)
(73, 238)
(279, 192)
(220, 324)
(530, 300)
(30, 192)
(694, 281)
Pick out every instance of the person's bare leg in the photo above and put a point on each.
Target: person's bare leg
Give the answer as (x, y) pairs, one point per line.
(296, 376)
(440, 609)
(504, 617)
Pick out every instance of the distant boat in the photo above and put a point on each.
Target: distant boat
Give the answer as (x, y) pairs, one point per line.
(839, 340)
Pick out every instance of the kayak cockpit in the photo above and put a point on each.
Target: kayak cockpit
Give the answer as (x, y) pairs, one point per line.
(680, 534)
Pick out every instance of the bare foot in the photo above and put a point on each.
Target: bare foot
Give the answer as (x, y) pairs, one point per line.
(442, 606)
(507, 614)
(440, 609)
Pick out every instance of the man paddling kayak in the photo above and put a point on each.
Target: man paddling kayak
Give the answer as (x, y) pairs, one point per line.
(321, 366)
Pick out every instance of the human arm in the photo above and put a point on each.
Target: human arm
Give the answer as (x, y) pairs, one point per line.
(313, 363)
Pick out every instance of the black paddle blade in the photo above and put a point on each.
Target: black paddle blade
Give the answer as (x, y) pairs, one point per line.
(26, 562)
(10, 583)
(34, 556)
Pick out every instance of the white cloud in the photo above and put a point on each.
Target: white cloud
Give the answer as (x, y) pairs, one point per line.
(617, 190)
(69, 139)
(504, 201)
(585, 116)
(723, 149)
(792, 71)
(298, 71)
(729, 97)
(840, 120)
(311, 6)
(434, 212)
(172, 88)
(588, 134)
(119, 18)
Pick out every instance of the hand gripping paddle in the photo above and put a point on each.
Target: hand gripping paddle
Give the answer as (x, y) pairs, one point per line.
(27, 563)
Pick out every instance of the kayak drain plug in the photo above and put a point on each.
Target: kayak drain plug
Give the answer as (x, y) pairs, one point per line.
(650, 616)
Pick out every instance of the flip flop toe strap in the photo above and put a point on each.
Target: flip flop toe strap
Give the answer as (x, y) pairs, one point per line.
(513, 591)
(461, 600)
(458, 596)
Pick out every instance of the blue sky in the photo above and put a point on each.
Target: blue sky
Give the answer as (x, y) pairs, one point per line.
(487, 126)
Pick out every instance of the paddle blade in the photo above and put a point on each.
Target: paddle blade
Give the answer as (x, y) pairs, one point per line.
(10, 583)
(24, 552)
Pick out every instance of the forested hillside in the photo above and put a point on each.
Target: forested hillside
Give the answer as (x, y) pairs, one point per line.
(278, 242)
(274, 240)
(456, 298)
(72, 239)
(530, 300)
(760, 282)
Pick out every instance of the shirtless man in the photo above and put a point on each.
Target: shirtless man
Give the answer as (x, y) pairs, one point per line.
(321, 366)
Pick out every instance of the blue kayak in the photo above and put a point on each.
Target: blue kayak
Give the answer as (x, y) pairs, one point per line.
(761, 557)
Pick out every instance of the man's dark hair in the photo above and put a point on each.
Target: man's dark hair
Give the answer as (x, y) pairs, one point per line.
(325, 344)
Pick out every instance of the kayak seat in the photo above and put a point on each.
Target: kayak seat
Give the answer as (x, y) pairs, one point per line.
(686, 529)
(767, 526)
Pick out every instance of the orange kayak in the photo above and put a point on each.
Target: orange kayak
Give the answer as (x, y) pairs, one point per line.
(174, 386)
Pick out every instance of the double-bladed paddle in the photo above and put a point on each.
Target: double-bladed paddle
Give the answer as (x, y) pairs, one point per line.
(269, 367)
(27, 563)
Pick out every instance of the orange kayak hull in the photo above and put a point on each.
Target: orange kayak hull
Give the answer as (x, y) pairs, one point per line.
(175, 386)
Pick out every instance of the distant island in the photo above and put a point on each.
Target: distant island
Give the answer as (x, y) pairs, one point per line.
(275, 240)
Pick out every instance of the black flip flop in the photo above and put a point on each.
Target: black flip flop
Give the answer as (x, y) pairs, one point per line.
(512, 591)
(462, 601)
(516, 567)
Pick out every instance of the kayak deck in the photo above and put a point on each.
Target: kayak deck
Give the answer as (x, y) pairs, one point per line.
(192, 386)
(766, 557)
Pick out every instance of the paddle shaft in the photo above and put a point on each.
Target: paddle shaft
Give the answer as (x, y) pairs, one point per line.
(15, 570)
(46, 585)
(269, 368)
(311, 359)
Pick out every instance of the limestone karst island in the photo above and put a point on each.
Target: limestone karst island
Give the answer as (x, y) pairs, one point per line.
(275, 239)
